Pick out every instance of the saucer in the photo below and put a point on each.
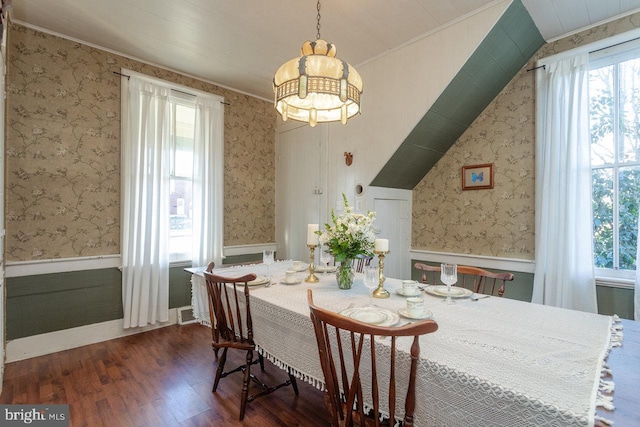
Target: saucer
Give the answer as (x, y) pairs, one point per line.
(426, 314)
(305, 267)
(284, 282)
(400, 291)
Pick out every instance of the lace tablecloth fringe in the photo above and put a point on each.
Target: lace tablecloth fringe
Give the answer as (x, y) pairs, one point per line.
(604, 399)
(317, 383)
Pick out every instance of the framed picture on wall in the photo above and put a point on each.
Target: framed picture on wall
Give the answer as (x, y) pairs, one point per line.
(477, 177)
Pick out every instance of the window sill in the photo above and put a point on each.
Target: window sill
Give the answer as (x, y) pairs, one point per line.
(615, 282)
(178, 263)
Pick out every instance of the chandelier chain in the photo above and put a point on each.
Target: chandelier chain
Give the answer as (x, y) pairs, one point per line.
(318, 26)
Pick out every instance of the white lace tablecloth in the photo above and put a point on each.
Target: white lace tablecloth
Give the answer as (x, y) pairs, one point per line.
(492, 362)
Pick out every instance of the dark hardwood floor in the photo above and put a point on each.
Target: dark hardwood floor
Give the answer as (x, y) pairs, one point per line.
(157, 378)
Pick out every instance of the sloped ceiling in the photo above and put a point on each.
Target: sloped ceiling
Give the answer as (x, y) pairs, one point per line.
(502, 53)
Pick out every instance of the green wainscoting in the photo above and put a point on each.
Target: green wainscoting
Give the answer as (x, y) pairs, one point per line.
(51, 302)
(242, 259)
(45, 303)
(615, 301)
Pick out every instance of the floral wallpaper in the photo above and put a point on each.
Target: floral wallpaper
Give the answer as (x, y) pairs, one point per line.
(63, 151)
(498, 222)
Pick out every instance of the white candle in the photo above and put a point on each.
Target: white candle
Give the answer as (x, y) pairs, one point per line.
(312, 237)
(381, 245)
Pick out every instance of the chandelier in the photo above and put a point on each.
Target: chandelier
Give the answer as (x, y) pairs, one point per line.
(317, 87)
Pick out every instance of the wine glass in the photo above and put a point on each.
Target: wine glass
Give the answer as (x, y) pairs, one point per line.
(449, 276)
(325, 258)
(371, 280)
(267, 258)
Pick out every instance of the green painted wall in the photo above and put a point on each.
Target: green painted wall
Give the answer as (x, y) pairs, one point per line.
(51, 302)
(615, 301)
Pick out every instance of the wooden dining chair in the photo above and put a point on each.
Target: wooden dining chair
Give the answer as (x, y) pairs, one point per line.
(360, 262)
(343, 343)
(476, 279)
(230, 311)
(214, 329)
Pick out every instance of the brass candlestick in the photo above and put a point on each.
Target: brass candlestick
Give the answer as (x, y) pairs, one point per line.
(380, 291)
(312, 268)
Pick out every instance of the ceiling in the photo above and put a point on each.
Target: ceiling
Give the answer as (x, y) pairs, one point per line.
(240, 44)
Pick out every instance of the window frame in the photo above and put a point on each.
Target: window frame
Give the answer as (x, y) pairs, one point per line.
(185, 100)
(614, 55)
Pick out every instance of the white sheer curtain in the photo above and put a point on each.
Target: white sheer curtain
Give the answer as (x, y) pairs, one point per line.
(145, 202)
(208, 182)
(636, 301)
(564, 273)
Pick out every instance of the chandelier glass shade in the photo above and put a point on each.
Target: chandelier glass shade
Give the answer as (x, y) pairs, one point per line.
(317, 87)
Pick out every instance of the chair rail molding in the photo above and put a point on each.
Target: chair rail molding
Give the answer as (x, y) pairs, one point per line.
(482, 261)
(62, 265)
(248, 249)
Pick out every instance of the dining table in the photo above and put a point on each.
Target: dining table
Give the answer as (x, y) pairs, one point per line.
(492, 362)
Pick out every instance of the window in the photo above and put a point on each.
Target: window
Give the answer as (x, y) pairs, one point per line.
(172, 172)
(183, 115)
(614, 114)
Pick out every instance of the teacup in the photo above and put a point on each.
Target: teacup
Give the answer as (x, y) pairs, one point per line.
(298, 265)
(409, 287)
(290, 276)
(415, 306)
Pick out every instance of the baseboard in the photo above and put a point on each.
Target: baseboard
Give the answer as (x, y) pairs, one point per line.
(52, 342)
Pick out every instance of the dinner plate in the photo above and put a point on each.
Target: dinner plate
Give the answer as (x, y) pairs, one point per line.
(426, 314)
(441, 291)
(372, 315)
(260, 280)
(323, 269)
(401, 291)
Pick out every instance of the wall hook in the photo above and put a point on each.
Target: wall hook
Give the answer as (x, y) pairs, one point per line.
(348, 158)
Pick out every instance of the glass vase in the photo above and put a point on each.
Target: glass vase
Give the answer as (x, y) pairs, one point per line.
(345, 274)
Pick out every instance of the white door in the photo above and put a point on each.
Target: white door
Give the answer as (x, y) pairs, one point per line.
(393, 223)
(299, 189)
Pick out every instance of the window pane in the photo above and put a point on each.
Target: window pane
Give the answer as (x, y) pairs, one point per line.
(180, 220)
(185, 133)
(628, 195)
(630, 110)
(603, 217)
(184, 157)
(601, 115)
